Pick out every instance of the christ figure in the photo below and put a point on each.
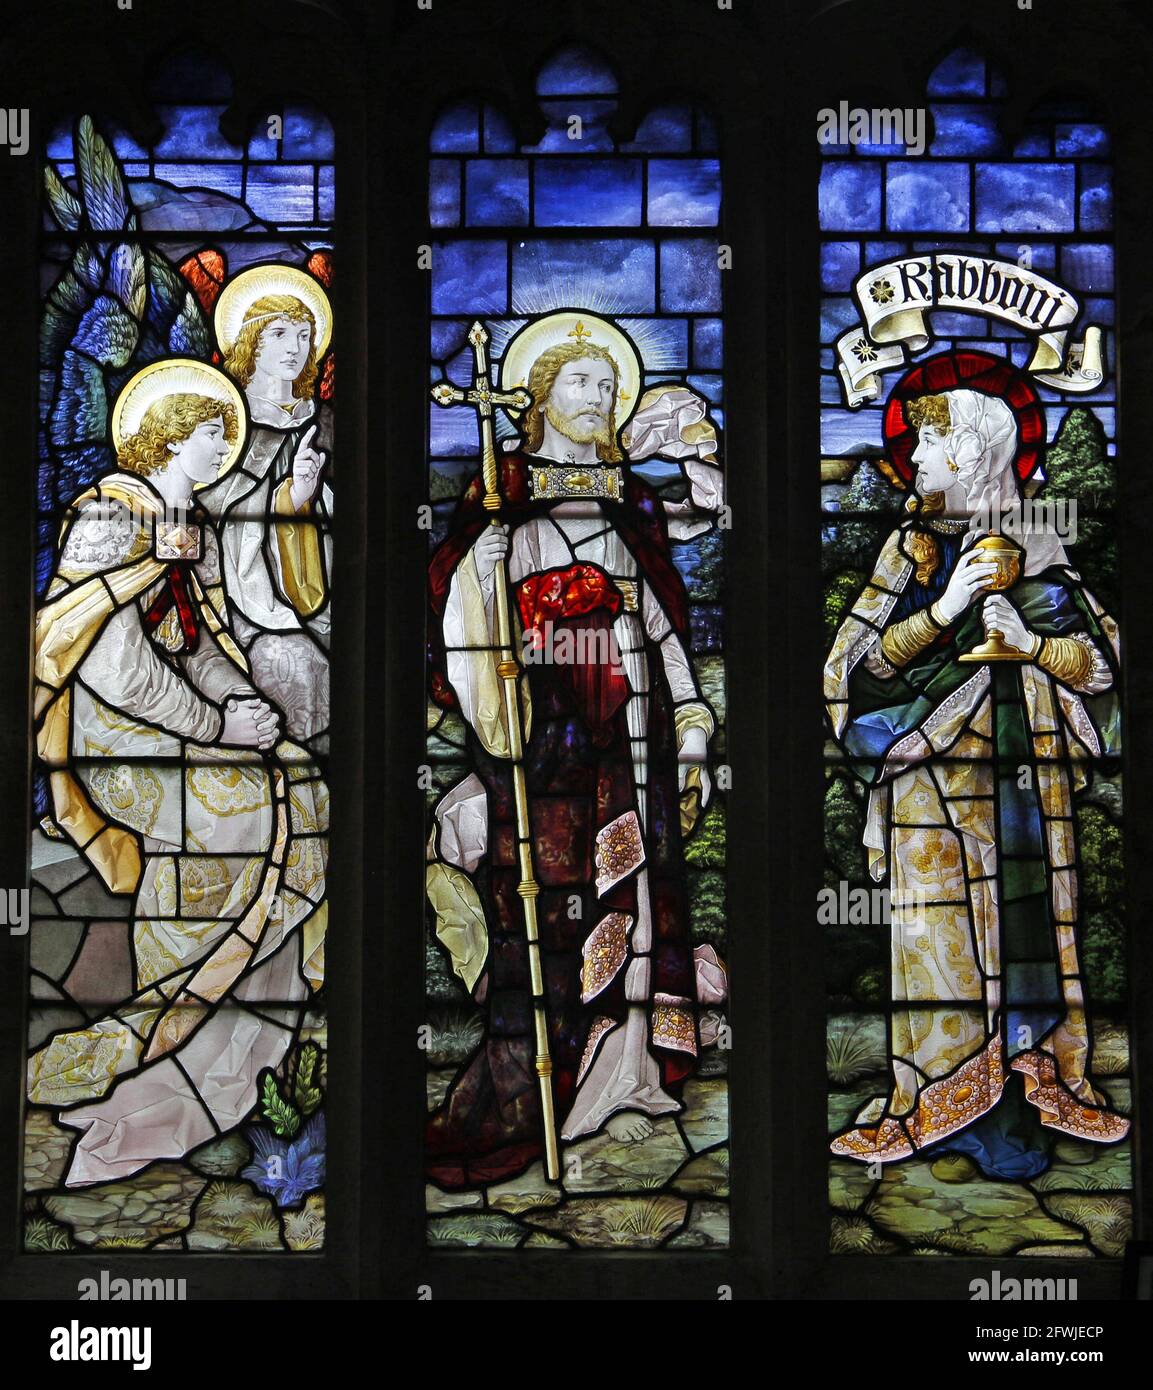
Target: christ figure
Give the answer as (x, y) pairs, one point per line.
(616, 773)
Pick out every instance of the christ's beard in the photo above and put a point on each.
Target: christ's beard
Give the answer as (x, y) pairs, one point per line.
(578, 429)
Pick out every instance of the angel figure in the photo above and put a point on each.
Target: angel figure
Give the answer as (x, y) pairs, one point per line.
(169, 773)
(274, 323)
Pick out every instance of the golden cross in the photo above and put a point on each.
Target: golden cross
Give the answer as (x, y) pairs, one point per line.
(483, 396)
(580, 332)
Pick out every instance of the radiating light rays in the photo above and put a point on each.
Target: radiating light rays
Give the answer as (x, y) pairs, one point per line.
(657, 340)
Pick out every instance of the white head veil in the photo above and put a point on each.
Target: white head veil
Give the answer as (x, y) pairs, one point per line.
(983, 444)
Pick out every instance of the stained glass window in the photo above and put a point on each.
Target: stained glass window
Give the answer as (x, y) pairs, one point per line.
(176, 1077)
(978, 1055)
(576, 979)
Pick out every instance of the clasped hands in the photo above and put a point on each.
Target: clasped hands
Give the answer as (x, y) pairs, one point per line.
(249, 722)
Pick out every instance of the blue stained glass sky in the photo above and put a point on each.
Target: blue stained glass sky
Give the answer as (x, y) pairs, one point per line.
(579, 219)
(279, 179)
(1049, 192)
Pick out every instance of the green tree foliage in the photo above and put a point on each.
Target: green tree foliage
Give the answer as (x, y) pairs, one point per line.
(708, 576)
(1103, 958)
(1078, 466)
(840, 591)
(1095, 558)
(1102, 879)
(706, 849)
(872, 985)
(856, 967)
(707, 905)
(844, 826)
(1102, 866)
(870, 491)
(853, 544)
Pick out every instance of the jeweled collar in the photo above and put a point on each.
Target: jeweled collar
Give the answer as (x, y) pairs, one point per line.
(946, 525)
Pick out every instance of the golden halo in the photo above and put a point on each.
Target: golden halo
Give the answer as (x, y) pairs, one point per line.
(576, 325)
(172, 377)
(242, 291)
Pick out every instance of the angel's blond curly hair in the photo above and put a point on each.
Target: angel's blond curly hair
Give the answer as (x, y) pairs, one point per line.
(171, 420)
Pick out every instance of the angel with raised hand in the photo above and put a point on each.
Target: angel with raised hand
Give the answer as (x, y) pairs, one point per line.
(274, 323)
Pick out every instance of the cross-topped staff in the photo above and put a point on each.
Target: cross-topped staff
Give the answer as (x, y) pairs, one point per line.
(482, 397)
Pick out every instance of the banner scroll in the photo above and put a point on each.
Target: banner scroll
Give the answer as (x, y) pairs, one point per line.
(894, 298)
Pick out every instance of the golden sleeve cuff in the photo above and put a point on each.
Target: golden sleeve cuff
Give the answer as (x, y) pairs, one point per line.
(693, 716)
(1066, 658)
(902, 642)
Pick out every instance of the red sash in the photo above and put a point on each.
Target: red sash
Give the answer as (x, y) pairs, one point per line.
(175, 594)
(566, 593)
(583, 598)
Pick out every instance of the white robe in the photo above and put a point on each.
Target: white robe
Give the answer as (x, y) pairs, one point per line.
(287, 651)
(143, 736)
(624, 1074)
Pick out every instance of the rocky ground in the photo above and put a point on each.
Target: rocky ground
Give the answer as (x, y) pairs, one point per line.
(670, 1190)
(200, 1204)
(1080, 1206)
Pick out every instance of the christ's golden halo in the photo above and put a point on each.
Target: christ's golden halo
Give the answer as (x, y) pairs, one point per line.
(575, 325)
(172, 377)
(241, 292)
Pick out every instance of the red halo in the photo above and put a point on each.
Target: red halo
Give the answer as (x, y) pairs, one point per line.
(972, 371)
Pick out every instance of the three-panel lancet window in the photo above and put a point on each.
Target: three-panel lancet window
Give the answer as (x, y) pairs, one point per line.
(583, 617)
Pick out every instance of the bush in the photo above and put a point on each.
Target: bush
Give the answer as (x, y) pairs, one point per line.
(840, 592)
(1103, 959)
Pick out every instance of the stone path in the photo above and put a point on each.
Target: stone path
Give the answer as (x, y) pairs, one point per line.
(1080, 1206)
(670, 1190)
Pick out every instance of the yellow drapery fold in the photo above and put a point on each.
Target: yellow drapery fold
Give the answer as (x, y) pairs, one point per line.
(489, 721)
(298, 546)
(84, 1063)
(460, 921)
(66, 627)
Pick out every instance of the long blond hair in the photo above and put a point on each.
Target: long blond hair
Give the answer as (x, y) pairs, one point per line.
(543, 375)
(240, 359)
(171, 420)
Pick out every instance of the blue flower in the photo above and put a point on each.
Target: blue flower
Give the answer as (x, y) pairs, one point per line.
(288, 1171)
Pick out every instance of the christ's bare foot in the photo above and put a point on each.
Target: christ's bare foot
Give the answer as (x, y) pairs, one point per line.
(628, 1128)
